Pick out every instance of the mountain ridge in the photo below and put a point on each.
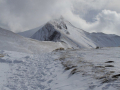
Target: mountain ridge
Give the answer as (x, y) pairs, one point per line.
(61, 30)
(13, 42)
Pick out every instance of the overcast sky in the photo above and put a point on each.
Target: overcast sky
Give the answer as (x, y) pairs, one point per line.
(90, 15)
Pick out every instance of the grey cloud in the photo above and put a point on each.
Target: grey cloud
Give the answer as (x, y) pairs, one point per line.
(90, 15)
(89, 9)
(107, 21)
(25, 14)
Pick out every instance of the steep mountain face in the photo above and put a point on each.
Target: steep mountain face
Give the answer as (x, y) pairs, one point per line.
(60, 30)
(13, 42)
(47, 33)
(63, 31)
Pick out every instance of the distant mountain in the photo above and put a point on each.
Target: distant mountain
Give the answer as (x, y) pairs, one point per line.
(29, 33)
(13, 42)
(61, 30)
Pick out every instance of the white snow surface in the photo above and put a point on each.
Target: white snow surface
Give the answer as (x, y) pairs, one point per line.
(13, 42)
(29, 64)
(62, 30)
(21, 71)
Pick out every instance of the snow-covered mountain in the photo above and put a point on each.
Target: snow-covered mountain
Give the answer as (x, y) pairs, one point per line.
(13, 42)
(29, 64)
(29, 33)
(63, 31)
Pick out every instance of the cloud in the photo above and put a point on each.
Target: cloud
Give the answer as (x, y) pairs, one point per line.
(84, 6)
(90, 15)
(18, 15)
(106, 21)
(113, 5)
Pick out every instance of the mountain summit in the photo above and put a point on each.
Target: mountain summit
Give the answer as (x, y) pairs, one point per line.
(61, 30)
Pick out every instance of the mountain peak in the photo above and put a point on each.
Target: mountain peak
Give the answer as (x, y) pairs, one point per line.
(61, 30)
(61, 19)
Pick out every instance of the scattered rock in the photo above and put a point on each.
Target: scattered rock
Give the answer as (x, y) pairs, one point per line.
(58, 26)
(1, 55)
(102, 77)
(99, 66)
(68, 68)
(97, 47)
(112, 71)
(67, 32)
(59, 49)
(116, 76)
(73, 71)
(109, 66)
(107, 80)
(109, 62)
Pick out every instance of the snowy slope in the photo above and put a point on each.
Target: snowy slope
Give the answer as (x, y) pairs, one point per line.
(64, 31)
(99, 68)
(87, 69)
(104, 40)
(14, 42)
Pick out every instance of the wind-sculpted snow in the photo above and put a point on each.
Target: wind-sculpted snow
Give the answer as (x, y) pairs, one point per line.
(87, 69)
(99, 64)
(30, 72)
(62, 30)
